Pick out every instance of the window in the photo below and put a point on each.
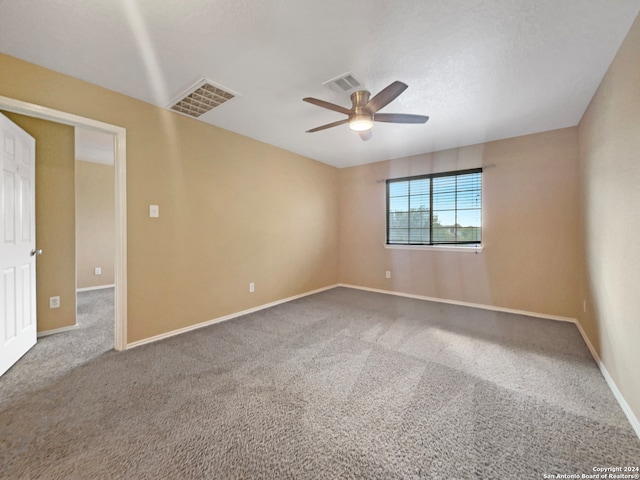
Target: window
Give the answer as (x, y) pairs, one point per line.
(438, 209)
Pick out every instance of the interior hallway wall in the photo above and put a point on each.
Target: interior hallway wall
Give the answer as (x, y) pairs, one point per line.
(95, 223)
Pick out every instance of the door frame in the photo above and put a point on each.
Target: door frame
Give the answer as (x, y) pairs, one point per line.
(120, 165)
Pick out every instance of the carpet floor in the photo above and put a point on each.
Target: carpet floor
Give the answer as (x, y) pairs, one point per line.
(56, 355)
(340, 384)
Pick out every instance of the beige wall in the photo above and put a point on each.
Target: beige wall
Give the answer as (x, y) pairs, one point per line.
(609, 136)
(232, 210)
(55, 220)
(95, 223)
(530, 227)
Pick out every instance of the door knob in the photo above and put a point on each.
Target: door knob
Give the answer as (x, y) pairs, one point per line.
(35, 253)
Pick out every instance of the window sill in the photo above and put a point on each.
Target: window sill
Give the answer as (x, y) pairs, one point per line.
(437, 248)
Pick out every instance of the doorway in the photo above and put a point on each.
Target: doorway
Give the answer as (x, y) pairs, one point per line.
(94, 237)
(120, 251)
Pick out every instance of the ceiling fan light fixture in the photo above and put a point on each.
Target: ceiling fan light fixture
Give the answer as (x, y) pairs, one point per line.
(364, 110)
(360, 122)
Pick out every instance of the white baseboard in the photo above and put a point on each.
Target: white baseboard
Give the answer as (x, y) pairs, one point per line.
(57, 330)
(179, 331)
(97, 287)
(190, 328)
(633, 420)
(463, 304)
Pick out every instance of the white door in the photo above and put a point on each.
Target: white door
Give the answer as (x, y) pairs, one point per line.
(17, 247)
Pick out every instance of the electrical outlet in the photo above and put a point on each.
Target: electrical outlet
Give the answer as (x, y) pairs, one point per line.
(54, 302)
(154, 211)
(98, 271)
(252, 287)
(388, 274)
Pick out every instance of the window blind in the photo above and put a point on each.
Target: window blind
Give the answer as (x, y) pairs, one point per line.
(437, 209)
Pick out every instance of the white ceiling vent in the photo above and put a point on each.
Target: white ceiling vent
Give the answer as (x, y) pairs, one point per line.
(200, 98)
(344, 83)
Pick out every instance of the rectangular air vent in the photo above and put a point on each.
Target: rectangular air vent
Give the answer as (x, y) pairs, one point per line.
(201, 98)
(343, 83)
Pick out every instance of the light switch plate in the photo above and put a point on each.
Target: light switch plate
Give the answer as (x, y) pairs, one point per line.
(154, 211)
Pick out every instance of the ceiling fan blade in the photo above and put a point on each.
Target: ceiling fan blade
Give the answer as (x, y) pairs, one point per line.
(328, 125)
(330, 106)
(385, 96)
(366, 135)
(399, 118)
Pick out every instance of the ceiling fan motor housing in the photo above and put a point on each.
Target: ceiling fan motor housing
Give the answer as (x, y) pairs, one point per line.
(359, 99)
(360, 120)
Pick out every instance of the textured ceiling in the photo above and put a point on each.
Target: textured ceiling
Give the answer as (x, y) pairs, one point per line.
(481, 69)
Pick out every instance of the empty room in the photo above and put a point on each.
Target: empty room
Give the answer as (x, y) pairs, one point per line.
(344, 239)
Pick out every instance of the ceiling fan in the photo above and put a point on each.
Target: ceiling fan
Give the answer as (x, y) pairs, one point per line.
(362, 113)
